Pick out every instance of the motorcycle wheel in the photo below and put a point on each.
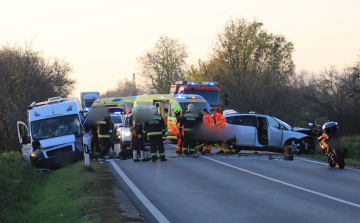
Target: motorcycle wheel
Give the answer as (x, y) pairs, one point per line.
(339, 158)
(331, 162)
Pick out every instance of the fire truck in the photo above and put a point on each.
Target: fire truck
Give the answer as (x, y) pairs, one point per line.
(207, 89)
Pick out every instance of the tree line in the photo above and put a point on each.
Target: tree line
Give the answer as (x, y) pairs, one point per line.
(26, 75)
(256, 68)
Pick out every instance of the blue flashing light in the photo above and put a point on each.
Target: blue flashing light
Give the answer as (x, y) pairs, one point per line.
(117, 113)
(193, 83)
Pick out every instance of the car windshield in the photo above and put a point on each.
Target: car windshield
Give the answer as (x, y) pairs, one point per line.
(283, 123)
(198, 106)
(116, 119)
(212, 97)
(55, 127)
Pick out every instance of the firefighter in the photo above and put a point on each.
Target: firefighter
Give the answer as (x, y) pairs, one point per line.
(207, 121)
(105, 133)
(166, 115)
(219, 121)
(179, 134)
(155, 127)
(139, 147)
(112, 139)
(190, 121)
(131, 127)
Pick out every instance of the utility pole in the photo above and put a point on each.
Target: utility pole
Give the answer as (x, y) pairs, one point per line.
(134, 85)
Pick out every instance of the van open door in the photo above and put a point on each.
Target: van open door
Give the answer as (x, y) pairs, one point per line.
(24, 140)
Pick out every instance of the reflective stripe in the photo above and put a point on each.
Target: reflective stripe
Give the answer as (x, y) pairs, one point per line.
(104, 136)
(190, 115)
(153, 154)
(156, 118)
(185, 148)
(102, 122)
(164, 129)
(144, 131)
(162, 154)
(110, 131)
(188, 129)
(154, 133)
(219, 122)
(191, 150)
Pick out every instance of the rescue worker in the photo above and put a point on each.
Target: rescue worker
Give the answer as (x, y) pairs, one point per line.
(179, 134)
(207, 121)
(105, 134)
(219, 121)
(166, 115)
(131, 127)
(139, 147)
(112, 139)
(154, 126)
(190, 121)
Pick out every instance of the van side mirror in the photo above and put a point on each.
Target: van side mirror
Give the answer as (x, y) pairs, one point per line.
(24, 139)
(227, 102)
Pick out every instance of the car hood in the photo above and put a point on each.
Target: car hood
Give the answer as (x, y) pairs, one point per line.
(45, 143)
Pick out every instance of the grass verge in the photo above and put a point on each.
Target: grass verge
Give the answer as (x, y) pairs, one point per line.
(351, 159)
(70, 194)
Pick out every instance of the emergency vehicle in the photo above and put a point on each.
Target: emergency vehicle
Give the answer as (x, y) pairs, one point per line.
(122, 102)
(54, 135)
(171, 101)
(207, 89)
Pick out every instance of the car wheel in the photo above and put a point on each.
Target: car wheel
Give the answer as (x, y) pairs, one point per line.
(294, 146)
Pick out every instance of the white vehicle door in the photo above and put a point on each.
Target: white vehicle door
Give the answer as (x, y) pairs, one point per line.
(26, 147)
(275, 133)
(243, 126)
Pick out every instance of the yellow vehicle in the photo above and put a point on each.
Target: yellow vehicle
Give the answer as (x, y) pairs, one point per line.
(171, 101)
(122, 102)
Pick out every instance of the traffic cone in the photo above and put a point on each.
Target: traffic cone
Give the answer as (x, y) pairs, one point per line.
(287, 155)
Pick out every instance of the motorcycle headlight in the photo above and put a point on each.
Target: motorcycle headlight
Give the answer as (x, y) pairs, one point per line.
(127, 133)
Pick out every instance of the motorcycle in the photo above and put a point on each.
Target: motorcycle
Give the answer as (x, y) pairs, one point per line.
(330, 142)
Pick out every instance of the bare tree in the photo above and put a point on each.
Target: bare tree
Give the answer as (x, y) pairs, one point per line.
(163, 64)
(26, 76)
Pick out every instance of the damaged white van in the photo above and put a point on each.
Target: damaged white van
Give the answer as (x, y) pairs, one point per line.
(54, 135)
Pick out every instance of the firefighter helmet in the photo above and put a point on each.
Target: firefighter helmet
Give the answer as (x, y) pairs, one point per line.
(191, 107)
(153, 109)
(176, 110)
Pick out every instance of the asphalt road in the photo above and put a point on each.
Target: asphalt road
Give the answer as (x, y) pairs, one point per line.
(245, 188)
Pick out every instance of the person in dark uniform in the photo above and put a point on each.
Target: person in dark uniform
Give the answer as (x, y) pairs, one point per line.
(154, 126)
(189, 122)
(113, 135)
(138, 147)
(105, 133)
(131, 128)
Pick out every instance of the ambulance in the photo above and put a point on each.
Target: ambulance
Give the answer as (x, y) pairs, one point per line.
(122, 102)
(54, 135)
(170, 101)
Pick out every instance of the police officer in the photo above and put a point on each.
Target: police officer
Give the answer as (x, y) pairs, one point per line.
(190, 121)
(139, 147)
(154, 126)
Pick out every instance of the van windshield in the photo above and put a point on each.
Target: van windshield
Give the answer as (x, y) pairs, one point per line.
(212, 97)
(55, 127)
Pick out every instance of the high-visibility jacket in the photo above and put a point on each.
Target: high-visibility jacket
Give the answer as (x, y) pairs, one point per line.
(155, 125)
(207, 120)
(104, 128)
(219, 120)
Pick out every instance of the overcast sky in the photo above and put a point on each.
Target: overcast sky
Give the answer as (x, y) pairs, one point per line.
(102, 39)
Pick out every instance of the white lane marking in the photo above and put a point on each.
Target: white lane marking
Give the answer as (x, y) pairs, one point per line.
(324, 163)
(287, 184)
(153, 210)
